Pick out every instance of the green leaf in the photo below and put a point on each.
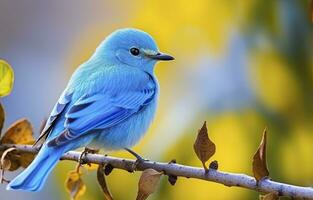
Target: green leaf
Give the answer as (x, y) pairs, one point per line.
(6, 78)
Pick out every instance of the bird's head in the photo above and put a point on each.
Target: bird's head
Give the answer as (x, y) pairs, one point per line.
(132, 47)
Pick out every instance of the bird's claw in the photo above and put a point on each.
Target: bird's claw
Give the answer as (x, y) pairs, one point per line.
(82, 157)
(138, 161)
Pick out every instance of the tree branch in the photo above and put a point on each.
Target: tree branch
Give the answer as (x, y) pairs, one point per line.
(228, 179)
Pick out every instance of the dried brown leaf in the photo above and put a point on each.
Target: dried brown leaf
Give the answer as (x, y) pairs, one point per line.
(25, 159)
(269, 196)
(5, 164)
(148, 183)
(75, 185)
(2, 117)
(203, 146)
(259, 165)
(21, 132)
(15, 161)
(19, 159)
(102, 183)
(4, 156)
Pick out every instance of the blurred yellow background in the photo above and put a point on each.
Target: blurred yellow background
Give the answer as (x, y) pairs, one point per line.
(241, 65)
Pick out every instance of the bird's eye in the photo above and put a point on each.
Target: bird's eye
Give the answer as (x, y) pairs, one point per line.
(134, 51)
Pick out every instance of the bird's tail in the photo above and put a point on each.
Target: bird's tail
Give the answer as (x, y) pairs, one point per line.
(36, 174)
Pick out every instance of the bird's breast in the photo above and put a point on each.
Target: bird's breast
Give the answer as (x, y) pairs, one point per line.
(129, 132)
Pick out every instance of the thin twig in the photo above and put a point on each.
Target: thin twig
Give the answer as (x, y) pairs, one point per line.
(228, 179)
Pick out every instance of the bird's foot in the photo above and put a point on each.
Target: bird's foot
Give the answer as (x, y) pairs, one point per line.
(87, 150)
(138, 161)
(135, 165)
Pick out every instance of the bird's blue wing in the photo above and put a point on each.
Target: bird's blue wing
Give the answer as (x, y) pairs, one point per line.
(101, 111)
(59, 107)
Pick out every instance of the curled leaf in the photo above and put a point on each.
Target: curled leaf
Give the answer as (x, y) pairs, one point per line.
(2, 117)
(3, 157)
(75, 185)
(148, 183)
(5, 163)
(203, 146)
(103, 184)
(19, 159)
(259, 164)
(14, 161)
(21, 132)
(6, 78)
(270, 196)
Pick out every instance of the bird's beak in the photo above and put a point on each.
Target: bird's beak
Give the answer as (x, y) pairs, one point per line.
(162, 56)
(158, 56)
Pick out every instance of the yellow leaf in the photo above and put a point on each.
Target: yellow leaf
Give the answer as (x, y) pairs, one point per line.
(21, 132)
(203, 146)
(2, 118)
(259, 165)
(6, 78)
(103, 184)
(75, 185)
(148, 183)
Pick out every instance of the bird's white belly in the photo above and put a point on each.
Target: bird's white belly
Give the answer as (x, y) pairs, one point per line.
(127, 133)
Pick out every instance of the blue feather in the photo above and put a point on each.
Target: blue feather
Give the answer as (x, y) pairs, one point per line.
(35, 175)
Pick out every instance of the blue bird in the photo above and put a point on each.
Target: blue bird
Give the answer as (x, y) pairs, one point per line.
(108, 103)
